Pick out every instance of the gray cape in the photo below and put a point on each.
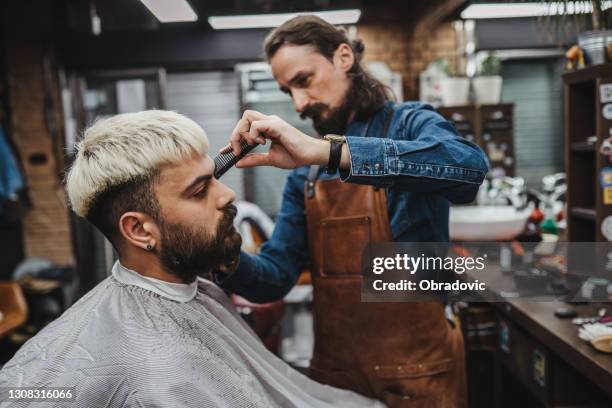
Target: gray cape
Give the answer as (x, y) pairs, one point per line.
(135, 341)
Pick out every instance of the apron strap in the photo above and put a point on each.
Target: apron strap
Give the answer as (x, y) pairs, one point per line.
(313, 173)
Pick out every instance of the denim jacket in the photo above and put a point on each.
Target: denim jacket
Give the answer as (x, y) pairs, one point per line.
(422, 162)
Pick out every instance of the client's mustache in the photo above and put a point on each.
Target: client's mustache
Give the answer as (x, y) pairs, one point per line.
(230, 210)
(229, 213)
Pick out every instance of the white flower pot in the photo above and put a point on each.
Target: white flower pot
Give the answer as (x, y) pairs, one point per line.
(595, 45)
(455, 91)
(487, 89)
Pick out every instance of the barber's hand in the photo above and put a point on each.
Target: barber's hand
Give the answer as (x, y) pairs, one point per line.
(290, 148)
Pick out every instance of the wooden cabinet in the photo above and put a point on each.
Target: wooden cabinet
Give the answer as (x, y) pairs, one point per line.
(539, 373)
(492, 128)
(465, 119)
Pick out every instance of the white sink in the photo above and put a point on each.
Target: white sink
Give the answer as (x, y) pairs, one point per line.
(486, 223)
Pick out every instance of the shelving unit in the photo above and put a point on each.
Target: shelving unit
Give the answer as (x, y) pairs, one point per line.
(489, 126)
(587, 93)
(582, 147)
(584, 213)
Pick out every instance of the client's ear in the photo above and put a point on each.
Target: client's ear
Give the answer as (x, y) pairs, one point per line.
(139, 230)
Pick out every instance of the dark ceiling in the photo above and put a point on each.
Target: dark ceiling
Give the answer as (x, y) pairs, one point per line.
(131, 36)
(132, 15)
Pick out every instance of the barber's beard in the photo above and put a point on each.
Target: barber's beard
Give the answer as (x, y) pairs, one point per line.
(188, 252)
(327, 120)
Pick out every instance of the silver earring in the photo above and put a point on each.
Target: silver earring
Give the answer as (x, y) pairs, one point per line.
(149, 247)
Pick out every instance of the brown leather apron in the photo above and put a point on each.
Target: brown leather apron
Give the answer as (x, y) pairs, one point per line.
(405, 354)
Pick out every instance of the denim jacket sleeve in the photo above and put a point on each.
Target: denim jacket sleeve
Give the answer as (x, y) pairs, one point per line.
(423, 154)
(269, 275)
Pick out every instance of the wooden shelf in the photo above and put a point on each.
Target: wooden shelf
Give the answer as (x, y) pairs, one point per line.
(584, 122)
(582, 147)
(584, 213)
(588, 74)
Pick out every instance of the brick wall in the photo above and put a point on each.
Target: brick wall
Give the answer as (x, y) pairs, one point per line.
(27, 42)
(406, 53)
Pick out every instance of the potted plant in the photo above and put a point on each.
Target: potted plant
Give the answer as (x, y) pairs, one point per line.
(591, 24)
(488, 84)
(454, 88)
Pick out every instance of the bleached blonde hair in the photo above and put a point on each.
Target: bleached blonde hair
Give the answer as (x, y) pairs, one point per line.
(129, 147)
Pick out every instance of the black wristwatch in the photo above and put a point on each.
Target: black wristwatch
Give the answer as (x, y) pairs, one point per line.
(335, 152)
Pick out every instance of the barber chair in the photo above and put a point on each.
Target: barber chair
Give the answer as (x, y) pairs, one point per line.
(13, 307)
(265, 320)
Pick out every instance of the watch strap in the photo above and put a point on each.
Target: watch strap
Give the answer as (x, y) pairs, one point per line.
(335, 154)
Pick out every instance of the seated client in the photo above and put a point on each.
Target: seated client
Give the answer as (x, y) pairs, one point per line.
(155, 333)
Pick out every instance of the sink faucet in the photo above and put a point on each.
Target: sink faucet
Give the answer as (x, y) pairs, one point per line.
(552, 195)
(552, 182)
(503, 191)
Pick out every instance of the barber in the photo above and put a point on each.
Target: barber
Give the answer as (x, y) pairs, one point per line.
(400, 166)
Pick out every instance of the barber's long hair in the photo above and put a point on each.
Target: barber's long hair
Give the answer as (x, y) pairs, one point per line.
(368, 94)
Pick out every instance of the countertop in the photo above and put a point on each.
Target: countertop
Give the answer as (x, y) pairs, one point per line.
(560, 335)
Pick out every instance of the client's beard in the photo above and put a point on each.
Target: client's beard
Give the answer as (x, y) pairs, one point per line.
(188, 252)
(336, 119)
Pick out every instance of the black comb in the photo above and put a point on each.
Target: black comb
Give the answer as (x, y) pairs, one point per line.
(225, 161)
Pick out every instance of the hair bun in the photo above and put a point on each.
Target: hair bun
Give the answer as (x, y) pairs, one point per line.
(358, 47)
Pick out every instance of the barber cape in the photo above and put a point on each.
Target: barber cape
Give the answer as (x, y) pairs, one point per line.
(135, 341)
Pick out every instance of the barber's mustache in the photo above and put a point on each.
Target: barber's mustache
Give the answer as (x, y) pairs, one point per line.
(314, 111)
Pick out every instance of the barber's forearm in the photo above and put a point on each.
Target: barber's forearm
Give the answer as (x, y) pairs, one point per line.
(321, 154)
(258, 280)
(345, 159)
(449, 166)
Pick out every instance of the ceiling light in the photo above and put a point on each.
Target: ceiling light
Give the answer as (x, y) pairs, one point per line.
(514, 10)
(173, 11)
(274, 20)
